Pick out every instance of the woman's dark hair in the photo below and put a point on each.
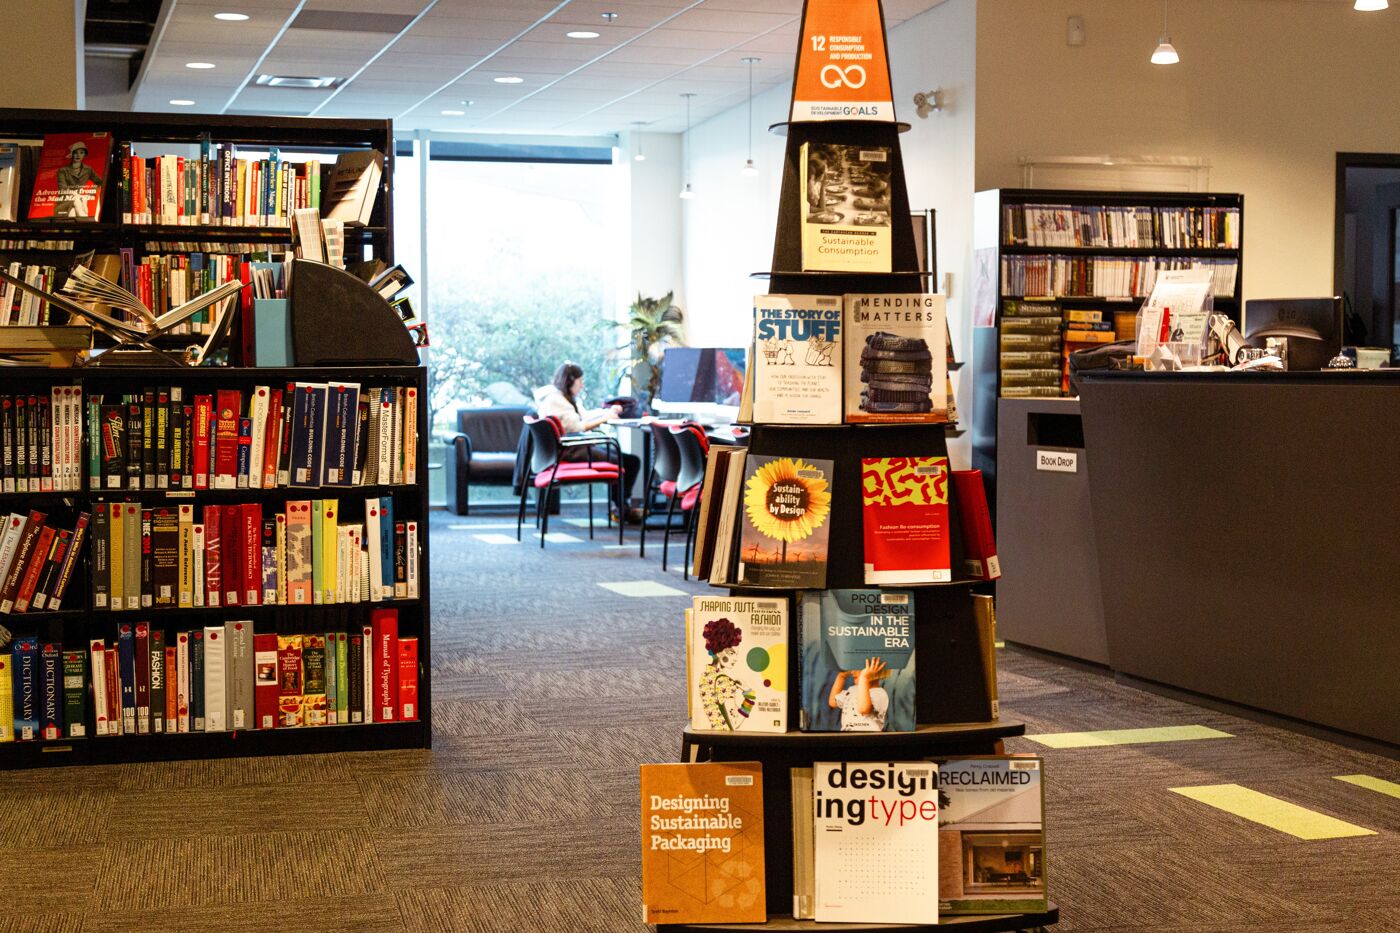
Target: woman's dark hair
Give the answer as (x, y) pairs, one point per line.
(564, 377)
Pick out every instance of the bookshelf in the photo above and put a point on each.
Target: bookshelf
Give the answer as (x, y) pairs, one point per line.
(80, 621)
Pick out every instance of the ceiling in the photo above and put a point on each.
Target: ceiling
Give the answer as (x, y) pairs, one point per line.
(411, 59)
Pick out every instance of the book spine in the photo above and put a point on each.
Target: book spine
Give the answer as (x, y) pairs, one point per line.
(385, 623)
(408, 678)
(50, 691)
(213, 556)
(70, 561)
(251, 513)
(74, 694)
(157, 680)
(97, 657)
(126, 653)
(147, 568)
(199, 451)
(24, 552)
(172, 689)
(245, 449)
(197, 714)
(182, 682)
(141, 662)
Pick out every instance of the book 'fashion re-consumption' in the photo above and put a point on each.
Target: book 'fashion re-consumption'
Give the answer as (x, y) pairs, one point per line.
(738, 664)
(786, 507)
(905, 508)
(702, 843)
(857, 672)
(797, 359)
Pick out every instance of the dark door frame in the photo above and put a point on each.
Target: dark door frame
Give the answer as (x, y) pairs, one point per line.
(1346, 160)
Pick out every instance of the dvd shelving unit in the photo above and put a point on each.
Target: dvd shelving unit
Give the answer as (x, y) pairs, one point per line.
(79, 622)
(951, 698)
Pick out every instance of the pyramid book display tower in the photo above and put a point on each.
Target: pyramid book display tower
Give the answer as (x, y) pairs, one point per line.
(880, 839)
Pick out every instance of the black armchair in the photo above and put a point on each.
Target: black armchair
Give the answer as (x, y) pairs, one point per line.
(484, 451)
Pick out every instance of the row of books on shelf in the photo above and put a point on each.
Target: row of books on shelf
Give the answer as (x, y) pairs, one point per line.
(764, 520)
(38, 559)
(232, 555)
(856, 671)
(308, 434)
(872, 842)
(1037, 338)
(857, 359)
(154, 680)
(19, 308)
(1103, 276)
(1146, 227)
(67, 177)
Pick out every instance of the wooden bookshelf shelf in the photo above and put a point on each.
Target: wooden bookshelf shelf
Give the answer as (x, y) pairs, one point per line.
(995, 923)
(1112, 252)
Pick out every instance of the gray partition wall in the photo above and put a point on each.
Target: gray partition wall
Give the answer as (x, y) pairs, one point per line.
(1246, 528)
(1049, 597)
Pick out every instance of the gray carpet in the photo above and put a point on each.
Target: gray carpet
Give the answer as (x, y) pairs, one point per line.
(549, 690)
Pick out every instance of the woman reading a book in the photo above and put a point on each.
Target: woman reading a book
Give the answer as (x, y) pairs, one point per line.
(563, 399)
(864, 703)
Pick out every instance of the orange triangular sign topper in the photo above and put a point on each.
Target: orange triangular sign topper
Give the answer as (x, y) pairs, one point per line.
(843, 71)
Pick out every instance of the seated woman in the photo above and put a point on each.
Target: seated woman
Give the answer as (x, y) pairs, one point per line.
(563, 399)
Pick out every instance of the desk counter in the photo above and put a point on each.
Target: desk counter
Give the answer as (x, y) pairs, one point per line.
(1246, 527)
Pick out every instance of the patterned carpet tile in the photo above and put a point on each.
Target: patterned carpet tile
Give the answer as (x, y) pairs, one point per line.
(47, 880)
(482, 717)
(151, 873)
(292, 914)
(227, 811)
(33, 817)
(22, 921)
(147, 776)
(619, 711)
(502, 853)
(627, 747)
(590, 905)
(475, 798)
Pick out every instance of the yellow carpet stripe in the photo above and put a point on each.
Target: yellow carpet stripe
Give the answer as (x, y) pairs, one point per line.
(1372, 783)
(1127, 736)
(1272, 812)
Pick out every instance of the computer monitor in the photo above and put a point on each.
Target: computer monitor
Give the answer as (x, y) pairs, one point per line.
(700, 380)
(1312, 327)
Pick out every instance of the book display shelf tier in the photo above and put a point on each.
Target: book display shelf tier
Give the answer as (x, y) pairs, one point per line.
(996, 923)
(1063, 270)
(80, 621)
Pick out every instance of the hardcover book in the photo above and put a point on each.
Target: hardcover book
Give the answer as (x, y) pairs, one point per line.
(845, 208)
(786, 507)
(702, 843)
(226, 419)
(857, 672)
(738, 664)
(24, 655)
(266, 682)
(991, 835)
(905, 520)
(979, 540)
(408, 678)
(896, 359)
(385, 626)
(875, 829)
(71, 176)
(797, 359)
(289, 682)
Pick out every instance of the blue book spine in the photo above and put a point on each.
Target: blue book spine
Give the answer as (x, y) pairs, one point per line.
(306, 423)
(274, 157)
(316, 417)
(196, 694)
(25, 659)
(245, 450)
(386, 543)
(342, 432)
(126, 661)
(50, 691)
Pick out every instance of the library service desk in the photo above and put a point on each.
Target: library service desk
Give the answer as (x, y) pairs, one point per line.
(1246, 526)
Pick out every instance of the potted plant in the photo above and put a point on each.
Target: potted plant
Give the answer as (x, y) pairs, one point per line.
(655, 323)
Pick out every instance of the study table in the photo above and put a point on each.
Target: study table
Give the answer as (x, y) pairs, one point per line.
(1246, 538)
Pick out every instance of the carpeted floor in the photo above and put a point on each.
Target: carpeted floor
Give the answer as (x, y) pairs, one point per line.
(549, 690)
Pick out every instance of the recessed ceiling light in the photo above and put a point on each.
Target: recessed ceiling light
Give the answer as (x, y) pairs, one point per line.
(610, 17)
(582, 34)
(199, 65)
(509, 79)
(231, 17)
(453, 113)
(181, 102)
(303, 82)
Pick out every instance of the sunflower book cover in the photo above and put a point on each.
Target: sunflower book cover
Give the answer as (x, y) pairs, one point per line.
(857, 666)
(702, 843)
(738, 664)
(797, 359)
(991, 835)
(904, 505)
(786, 512)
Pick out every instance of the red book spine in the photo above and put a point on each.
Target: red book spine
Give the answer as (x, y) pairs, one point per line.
(408, 678)
(213, 556)
(114, 692)
(265, 692)
(246, 344)
(979, 541)
(199, 455)
(226, 438)
(143, 677)
(172, 687)
(252, 553)
(271, 440)
(232, 539)
(385, 623)
(37, 558)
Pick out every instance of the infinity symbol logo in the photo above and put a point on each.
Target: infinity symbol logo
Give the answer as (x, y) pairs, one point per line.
(853, 76)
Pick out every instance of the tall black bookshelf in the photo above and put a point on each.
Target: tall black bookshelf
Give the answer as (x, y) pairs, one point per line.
(80, 621)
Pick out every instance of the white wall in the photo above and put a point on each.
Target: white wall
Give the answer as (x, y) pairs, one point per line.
(729, 225)
(43, 61)
(655, 261)
(1267, 91)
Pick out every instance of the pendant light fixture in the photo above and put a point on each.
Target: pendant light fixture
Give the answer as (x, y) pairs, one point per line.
(749, 168)
(1166, 52)
(687, 192)
(1371, 6)
(640, 156)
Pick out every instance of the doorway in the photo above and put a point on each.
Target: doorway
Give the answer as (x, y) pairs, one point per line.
(1366, 268)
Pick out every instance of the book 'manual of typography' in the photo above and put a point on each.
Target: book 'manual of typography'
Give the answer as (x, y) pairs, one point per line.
(905, 519)
(797, 359)
(702, 843)
(857, 672)
(738, 664)
(786, 505)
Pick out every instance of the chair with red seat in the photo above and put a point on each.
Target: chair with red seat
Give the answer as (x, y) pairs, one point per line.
(665, 469)
(549, 471)
(693, 447)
